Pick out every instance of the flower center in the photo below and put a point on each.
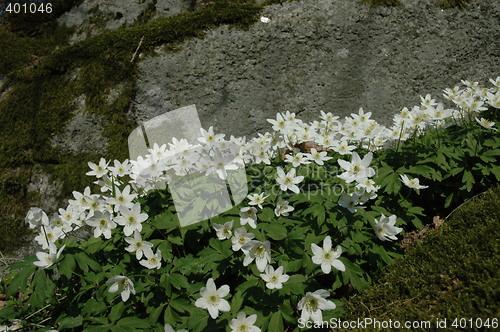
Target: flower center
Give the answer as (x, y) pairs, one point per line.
(260, 250)
(274, 278)
(312, 304)
(213, 299)
(102, 222)
(243, 328)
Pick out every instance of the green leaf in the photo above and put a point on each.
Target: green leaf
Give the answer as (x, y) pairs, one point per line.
(296, 284)
(267, 214)
(116, 312)
(84, 262)
(198, 324)
(178, 281)
(392, 183)
(276, 322)
(468, 179)
(276, 231)
(236, 302)
(354, 275)
(20, 280)
(133, 323)
(181, 305)
(496, 171)
(317, 211)
(70, 322)
(67, 266)
(165, 220)
(153, 317)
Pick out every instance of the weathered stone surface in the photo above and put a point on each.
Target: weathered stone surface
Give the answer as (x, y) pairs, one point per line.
(95, 16)
(322, 55)
(82, 133)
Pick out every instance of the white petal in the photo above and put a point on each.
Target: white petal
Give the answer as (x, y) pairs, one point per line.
(338, 265)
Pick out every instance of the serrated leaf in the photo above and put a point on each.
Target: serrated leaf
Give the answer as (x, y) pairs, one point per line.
(20, 280)
(70, 322)
(276, 231)
(133, 323)
(67, 266)
(116, 311)
(178, 281)
(276, 322)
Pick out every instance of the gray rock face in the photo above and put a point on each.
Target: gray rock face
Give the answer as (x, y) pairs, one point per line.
(95, 16)
(322, 55)
(82, 133)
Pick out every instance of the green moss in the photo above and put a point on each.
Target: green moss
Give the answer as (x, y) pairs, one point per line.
(40, 100)
(39, 23)
(452, 274)
(15, 198)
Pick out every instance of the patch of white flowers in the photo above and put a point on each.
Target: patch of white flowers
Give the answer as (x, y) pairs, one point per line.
(115, 209)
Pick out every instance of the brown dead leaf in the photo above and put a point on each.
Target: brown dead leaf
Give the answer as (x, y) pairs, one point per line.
(437, 221)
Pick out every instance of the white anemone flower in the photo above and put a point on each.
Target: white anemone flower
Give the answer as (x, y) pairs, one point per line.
(240, 238)
(282, 209)
(131, 219)
(486, 123)
(357, 169)
(350, 202)
(102, 223)
(47, 259)
(36, 217)
(318, 157)
(297, 159)
(152, 261)
(274, 278)
(260, 251)
(48, 235)
(248, 215)
(122, 284)
(242, 323)
(212, 299)
(224, 231)
(98, 170)
(385, 228)
(327, 257)
(412, 183)
(122, 198)
(120, 169)
(208, 137)
(313, 304)
(137, 244)
(257, 199)
(288, 181)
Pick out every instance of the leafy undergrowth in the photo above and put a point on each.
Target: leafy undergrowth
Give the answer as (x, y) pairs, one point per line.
(452, 274)
(307, 224)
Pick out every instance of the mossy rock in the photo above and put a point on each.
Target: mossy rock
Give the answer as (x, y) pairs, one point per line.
(451, 274)
(45, 75)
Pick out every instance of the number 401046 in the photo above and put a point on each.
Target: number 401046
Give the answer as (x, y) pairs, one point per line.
(28, 8)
